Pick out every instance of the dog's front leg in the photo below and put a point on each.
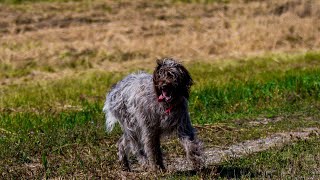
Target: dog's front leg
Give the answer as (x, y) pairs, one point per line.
(190, 142)
(151, 140)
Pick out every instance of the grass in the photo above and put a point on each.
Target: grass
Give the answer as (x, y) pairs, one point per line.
(58, 58)
(298, 160)
(254, 97)
(201, 1)
(34, 1)
(174, 1)
(102, 32)
(258, 86)
(57, 126)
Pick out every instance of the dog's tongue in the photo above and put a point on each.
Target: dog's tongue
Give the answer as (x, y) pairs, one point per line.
(163, 97)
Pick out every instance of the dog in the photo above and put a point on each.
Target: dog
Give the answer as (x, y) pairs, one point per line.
(149, 107)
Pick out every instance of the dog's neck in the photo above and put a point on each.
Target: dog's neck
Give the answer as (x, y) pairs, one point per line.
(171, 105)
(168, 110)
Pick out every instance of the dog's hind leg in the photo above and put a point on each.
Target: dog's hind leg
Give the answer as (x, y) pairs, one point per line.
(123, 153)
(137, 149)
(142, 158)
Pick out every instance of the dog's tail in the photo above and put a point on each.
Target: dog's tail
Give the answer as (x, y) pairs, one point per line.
(110, 119)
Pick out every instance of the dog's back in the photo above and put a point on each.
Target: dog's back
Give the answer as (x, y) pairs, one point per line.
(123, 99)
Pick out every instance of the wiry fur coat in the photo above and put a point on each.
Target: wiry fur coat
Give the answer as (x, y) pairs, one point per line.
(148, 107)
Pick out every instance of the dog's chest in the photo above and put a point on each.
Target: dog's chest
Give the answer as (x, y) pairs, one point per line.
(168, 122)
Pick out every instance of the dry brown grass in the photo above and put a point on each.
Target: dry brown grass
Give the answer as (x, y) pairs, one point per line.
(52, 39)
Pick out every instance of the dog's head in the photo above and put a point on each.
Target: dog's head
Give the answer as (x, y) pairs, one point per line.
(171, 80)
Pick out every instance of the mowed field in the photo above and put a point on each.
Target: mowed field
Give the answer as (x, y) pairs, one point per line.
(255, 102)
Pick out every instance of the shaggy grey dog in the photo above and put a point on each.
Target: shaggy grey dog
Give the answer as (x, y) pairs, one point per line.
(148, 107)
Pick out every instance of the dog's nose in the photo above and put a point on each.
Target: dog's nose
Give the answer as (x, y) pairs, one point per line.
(164, 86)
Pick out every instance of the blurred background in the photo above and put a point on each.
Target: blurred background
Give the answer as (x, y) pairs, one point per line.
(42, 37)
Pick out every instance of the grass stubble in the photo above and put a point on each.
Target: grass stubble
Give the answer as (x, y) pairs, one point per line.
(80, 35)
(56, 128)
(54, 78)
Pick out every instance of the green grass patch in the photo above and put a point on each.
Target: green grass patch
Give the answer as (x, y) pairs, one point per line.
(245, 88)
(58, 126)
(75, 91)
(238, 98)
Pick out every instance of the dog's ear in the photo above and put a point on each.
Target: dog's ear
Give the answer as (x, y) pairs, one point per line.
(187, 81)
(159, 65)
(155, 76)
(159, 62)
(156, 69)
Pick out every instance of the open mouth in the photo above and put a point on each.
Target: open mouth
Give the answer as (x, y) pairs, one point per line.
(165, 96)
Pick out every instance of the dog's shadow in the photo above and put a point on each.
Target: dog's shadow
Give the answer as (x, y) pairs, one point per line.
(218, 171)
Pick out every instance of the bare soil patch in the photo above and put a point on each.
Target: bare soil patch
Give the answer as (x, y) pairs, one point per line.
(217, 155)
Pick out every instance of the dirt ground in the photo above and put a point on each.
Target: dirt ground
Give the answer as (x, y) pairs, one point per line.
(218, 155)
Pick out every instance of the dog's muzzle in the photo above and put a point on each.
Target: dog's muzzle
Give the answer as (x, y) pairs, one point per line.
(166, 94)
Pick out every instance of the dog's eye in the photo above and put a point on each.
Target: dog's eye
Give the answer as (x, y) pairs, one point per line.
(170, 74)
